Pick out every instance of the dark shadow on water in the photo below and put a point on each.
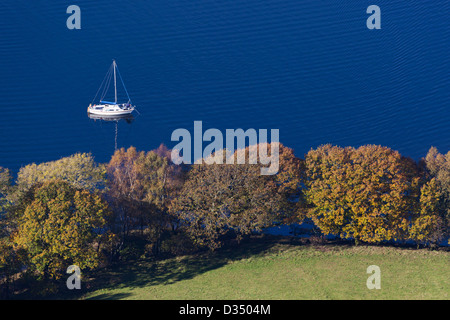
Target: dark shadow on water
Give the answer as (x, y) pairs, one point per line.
(129, 118)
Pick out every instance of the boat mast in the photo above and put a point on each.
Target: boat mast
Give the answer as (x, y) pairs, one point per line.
(115, 86)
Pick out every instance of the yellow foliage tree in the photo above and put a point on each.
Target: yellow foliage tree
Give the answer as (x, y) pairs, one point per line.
(59, 225)
(79, 169)
(367, 194)
(427, 225)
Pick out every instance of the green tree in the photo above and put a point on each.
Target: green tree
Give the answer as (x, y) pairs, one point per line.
(59, 225)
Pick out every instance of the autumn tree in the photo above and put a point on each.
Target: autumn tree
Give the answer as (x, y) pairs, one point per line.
(217, 199)
(12, 259)
(5, 189)
(428, 225)
(438, 174)
(174, 177)
(140, 187)
(79, 169)
(288, 176)
(59, 225)
(367, 194)
(290, 180)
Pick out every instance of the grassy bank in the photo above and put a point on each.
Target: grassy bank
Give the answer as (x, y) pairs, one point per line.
(269, 269)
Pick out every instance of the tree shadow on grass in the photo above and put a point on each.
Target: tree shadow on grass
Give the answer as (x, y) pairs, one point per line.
(147, 273)
(111, 296)
(144, 273)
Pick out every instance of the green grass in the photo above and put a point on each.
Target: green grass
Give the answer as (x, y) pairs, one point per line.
(268, 269)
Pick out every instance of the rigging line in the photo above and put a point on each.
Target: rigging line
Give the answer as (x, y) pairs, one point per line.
(106, 88)
(118, 72)
(109, 82)
(108, 79)
(101, 85)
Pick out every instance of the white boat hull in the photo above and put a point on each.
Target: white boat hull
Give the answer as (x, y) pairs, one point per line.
(111, 113)
(109, 110)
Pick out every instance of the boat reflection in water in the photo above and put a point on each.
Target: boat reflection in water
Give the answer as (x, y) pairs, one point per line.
(127, 117)
(113, 118)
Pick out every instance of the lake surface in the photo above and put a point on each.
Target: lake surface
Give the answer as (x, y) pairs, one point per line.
(311, 69)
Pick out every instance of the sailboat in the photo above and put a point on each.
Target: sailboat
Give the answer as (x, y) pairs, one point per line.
(106, 108)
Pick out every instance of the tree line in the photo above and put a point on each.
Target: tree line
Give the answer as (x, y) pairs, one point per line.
(74, 211)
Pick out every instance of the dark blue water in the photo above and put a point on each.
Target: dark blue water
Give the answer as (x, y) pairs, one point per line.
(309, 68)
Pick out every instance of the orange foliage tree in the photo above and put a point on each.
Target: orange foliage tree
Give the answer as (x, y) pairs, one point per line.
(433, 223)
(219, 199)
(369, 193)
(140, 186)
